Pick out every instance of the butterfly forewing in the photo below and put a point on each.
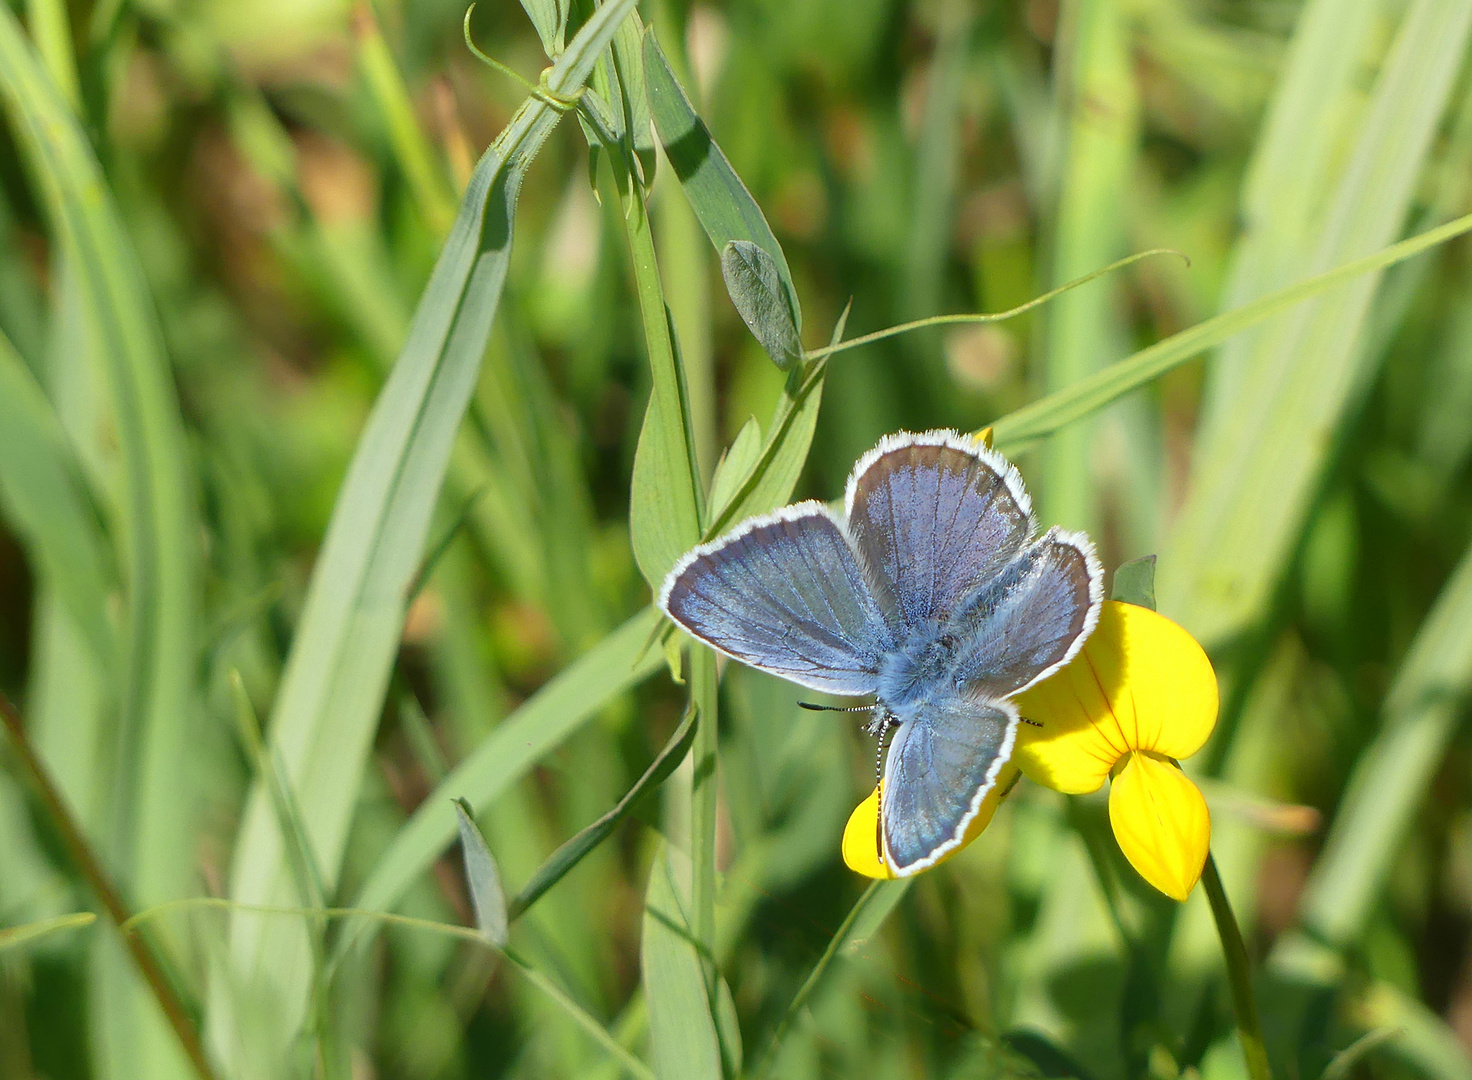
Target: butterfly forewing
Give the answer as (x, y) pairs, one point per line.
(784, 593)
(934, 516)
(941, 764)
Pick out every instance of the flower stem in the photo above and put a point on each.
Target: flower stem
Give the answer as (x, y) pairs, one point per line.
(1239, 973)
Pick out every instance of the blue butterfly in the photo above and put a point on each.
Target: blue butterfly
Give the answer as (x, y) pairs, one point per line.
(932, 592)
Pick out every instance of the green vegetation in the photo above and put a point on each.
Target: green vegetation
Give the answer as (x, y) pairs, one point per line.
(337, 468)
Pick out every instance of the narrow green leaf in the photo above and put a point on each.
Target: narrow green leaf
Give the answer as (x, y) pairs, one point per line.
(561, 861)
(486, 894)
(1042, 418)
(337, 673)
(725, 208)
(13, 936)
(542, 723)
(1134, 582)
(305, 872)
(682, 1031)
(44, 496)
(628, 62)
(550, 19)
(754, 283)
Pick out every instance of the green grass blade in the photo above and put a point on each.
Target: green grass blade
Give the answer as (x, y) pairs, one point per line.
(14, 936)
(721, 202)
(44, 496)
(1042, 418)
(572, 852)
(1255, 472)
(337, 673)
(682, 1032)
(1291, 167)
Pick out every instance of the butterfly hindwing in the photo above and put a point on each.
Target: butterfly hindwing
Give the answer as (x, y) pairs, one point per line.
(1029, 620)
(942, 762)
(786, 594)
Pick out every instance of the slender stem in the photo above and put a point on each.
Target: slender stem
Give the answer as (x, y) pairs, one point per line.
(988, 317)
(1239, 974)
(106, 892)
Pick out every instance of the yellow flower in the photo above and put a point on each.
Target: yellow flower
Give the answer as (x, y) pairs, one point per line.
(1140, 695)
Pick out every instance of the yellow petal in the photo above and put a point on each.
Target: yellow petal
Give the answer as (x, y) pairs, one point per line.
(1141, 682)
(860, 835)
(1161, 822)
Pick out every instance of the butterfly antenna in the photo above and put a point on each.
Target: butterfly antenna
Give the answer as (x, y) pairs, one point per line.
(884, 722)
(813, 707)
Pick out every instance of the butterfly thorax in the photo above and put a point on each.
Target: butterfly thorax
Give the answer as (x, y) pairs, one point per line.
(922, 666)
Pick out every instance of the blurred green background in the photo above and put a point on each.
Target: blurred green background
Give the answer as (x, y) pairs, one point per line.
(285, 174)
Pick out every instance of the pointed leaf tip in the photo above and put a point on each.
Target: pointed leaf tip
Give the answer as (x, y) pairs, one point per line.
(485, 880)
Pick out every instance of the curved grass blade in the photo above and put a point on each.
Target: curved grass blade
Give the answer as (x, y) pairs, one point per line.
(572, 852)
(338, 670)
(13, 936)
(1027, 425)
